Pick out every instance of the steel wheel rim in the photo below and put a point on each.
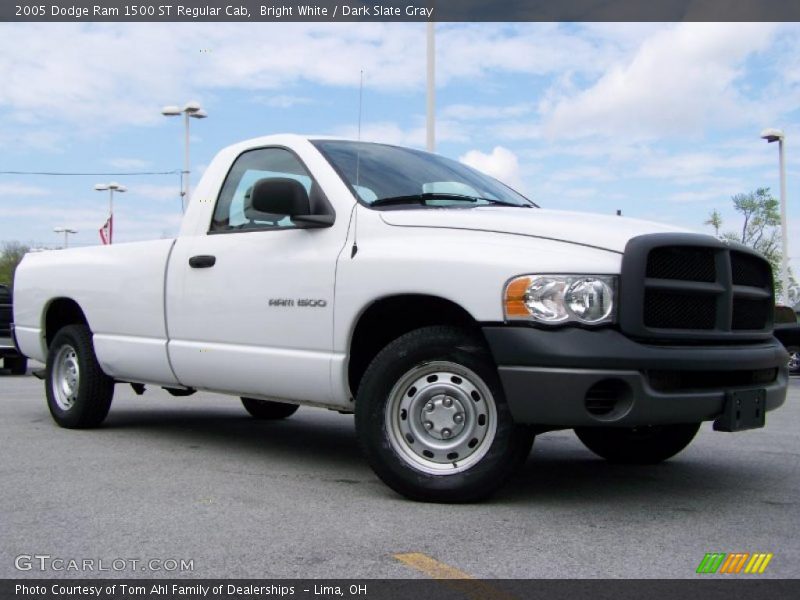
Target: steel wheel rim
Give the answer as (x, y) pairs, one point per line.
(441, 418)
(66, 377)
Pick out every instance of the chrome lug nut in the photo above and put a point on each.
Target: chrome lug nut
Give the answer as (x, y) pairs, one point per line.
(446, 433)
(428, 425)
(430, 407)
(459, 418)
(447, 402)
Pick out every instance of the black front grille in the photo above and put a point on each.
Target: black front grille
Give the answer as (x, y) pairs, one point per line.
(749, 313)
(671, 310)
(679, 287)
(683, 263)
(747, 269)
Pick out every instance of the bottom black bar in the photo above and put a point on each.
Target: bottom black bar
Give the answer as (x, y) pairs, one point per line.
(727, 588)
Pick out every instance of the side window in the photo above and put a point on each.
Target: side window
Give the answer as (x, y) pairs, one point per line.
(234, 211)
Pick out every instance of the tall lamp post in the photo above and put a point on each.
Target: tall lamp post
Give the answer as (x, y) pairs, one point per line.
(66, 231)
(430, 123)
(111, 187)
(192, 110)
(776, 135)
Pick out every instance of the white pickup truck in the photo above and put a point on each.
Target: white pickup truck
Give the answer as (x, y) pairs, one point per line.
(453, 316)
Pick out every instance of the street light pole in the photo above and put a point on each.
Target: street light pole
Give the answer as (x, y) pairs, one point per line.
(66, 231)
(430, 129)
(191, 110)
(111, 187)
(776, 135)
(187, 164)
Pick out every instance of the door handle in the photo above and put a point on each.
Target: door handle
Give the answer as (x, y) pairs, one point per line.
(202, 261)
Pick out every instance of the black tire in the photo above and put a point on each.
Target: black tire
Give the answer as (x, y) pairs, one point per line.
(646, 445)
(86, 404)
(485, 465)
(268, 410)
(794, 360)
(18, 365)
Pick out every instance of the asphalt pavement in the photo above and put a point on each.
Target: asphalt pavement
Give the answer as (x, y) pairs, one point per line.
(196, 479)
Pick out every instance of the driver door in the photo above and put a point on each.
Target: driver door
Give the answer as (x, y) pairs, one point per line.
(250, 304)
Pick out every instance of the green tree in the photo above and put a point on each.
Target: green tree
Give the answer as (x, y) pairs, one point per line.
(715, 220)
(760, 228)
(762, 219)
(10, 257)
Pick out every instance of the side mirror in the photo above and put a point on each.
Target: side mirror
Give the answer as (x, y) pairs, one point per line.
(281, 196)
(312, 221)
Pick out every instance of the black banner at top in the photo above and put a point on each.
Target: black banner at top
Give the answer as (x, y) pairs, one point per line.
(398, 10)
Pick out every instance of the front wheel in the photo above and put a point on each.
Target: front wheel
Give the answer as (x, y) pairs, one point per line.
(794, 360)
(268, 410)
(644, 445)
(78, 392)
(432, 420)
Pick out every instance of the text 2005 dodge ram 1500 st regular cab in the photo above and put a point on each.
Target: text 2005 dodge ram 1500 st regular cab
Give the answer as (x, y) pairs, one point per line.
(453, 316)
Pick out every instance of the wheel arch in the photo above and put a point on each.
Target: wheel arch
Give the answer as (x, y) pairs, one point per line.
(389, 317)
(59, 313)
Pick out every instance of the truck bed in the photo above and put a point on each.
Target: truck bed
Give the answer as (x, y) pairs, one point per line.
(121, 291)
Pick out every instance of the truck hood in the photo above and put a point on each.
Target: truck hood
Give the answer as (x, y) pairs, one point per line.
(598, 231)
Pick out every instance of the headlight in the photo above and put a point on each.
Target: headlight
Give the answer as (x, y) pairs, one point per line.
(554, 299)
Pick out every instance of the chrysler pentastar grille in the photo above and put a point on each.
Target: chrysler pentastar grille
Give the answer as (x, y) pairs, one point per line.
(694, 287)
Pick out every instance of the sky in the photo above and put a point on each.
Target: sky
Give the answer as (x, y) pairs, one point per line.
(661, 121)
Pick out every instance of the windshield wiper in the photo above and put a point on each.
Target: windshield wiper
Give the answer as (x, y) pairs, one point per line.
(424, 197)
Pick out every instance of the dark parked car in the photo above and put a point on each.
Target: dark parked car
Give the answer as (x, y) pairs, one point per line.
(787, 330)
(12, 359)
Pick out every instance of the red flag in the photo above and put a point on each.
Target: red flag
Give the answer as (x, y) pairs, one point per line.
(106, 231)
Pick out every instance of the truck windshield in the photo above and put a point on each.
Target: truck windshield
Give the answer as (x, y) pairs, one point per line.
(391, 176)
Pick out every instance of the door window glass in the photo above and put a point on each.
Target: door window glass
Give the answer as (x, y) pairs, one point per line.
(234, 211)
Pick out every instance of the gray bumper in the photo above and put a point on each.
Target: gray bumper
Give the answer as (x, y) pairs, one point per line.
(559, 397)
(7, 347)
(572, 378)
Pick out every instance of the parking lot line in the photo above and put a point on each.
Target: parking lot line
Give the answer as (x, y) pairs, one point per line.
(454, 578)
(431, 567)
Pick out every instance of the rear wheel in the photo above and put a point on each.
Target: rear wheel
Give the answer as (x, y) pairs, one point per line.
(79, 394)
(432, 420)
(267, 409)
(644, 445)
(18, 365)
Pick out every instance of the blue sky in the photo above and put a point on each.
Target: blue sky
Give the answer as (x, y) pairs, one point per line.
(661, 121)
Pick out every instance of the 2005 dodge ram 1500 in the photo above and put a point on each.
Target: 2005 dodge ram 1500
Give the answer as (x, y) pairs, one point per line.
(454, 317)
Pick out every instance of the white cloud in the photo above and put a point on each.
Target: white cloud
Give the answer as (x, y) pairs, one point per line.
(389, 132)
(39, 140)
(118, 73)
(700, 167)
(500, 163)
(129, 163)
(130, 222)
(584, 173)
(155, 192)
(485, 112)
(385, 132)
(283, 101)
(681, 80)
(15, 190)
(720, 195)
(516, 130)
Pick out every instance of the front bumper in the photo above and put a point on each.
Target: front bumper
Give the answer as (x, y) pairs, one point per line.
(7, 347)
(578, 377)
